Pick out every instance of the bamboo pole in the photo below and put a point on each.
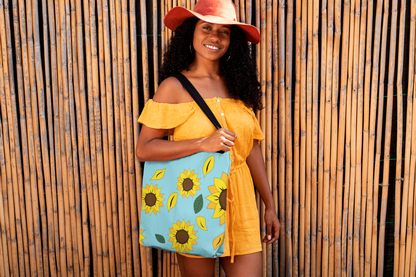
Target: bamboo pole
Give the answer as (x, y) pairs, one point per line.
(117, 180)
(3, 208)
(89, 156)
(8, 185)
(400, 129)
(308, 171)
(49, 87)
(411, 90)
(98, 137)
(288, 134)
(48, 215)
(144, 252)
(389, 118)
(83, 142)
(59, 147)
(379, 138)
(94, 192)
(106, 124)
(355, 220)
(341, 220)
(321, 217)
(296, 145)
(112, 190)
(155, 43)
(131, 212)
(315, 131)
(407, 169)
(338, 141)
(122, 159)
(5, 22)
(77, 156)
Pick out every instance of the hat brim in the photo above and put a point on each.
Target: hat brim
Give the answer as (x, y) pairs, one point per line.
(176, 16)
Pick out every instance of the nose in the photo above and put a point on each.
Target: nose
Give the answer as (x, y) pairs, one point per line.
(215, 36)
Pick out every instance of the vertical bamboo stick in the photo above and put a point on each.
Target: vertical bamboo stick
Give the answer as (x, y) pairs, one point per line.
(5, 22)
(379, 136)
(132, 207)
(134, 197)
(3, 208)
(338, 141)
(308, 171)
(400, 129)
(315, 132)
(98, 136)
(407, 170)
(350, 189)
(343, 216)
(119, 179)
(366, 178)
(61, 176)
(359, 174)
(320, 249)
(94, 192)
(412, 90)
(296, 144)
(106, 124)
(288, 135)
(4, 217)
(79, 174)
(49, 87)
(355, 220)
(389, 118)
(155, 44)
(303, 142)
(124, 232)
(112, 216)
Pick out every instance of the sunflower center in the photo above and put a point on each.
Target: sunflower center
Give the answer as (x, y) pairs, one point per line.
(223, 199)
(182, 236)
(150, 199)
(187, 184)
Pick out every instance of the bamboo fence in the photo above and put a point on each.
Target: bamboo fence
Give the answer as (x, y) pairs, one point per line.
(338, 82)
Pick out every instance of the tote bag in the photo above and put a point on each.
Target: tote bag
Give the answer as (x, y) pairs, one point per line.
(184, 200)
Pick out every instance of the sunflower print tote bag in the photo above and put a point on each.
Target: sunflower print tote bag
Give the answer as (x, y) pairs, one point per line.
(184, 204)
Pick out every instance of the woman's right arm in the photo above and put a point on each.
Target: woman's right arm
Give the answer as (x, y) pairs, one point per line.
(151, 145)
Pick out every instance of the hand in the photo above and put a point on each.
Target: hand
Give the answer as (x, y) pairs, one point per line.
(273, 226)
(222, 139)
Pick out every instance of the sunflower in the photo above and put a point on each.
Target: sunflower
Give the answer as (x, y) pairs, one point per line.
(182, 236)
(218, 197)
(188, 183)
(151, 199)
(141, 237)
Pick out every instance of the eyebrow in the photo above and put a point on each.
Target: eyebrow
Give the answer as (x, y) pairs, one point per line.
(227, 26)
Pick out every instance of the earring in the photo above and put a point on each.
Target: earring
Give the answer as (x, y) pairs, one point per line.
(190, 48)
(229, 56)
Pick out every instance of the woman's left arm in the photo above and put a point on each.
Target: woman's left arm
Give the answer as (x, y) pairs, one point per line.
(258, 172)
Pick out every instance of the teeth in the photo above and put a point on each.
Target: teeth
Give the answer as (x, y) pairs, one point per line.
(212, 47)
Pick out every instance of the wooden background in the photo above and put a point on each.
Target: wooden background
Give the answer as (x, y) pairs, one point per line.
(339, 91)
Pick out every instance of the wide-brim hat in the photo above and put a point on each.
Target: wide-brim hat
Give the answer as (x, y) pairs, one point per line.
(212, 11)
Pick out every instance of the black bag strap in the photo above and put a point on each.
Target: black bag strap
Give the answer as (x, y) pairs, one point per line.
(198, 99)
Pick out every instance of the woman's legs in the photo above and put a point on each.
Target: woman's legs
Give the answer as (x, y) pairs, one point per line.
(196, 267)
(248, 265)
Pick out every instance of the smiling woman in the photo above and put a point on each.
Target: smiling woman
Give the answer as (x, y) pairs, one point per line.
(210, 48)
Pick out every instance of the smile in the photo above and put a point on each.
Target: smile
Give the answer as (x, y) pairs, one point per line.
(212, 47)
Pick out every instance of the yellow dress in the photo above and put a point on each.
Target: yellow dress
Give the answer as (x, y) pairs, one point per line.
(187, 121)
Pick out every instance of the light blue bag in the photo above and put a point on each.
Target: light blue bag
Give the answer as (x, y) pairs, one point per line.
(184, 201)
(184, 204)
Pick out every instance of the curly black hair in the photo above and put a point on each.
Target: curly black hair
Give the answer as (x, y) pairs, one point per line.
(239, 70)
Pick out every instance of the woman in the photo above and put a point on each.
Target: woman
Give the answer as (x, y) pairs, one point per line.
(210, 48)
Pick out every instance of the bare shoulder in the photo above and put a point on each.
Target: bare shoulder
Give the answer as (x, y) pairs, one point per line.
(171, 91)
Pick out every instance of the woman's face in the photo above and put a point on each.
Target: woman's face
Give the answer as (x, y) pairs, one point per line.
(211, 40)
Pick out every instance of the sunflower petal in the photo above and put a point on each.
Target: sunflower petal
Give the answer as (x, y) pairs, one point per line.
(173, 198)
(218, 241)
(200, 220)
(158, 174)
(208, 165)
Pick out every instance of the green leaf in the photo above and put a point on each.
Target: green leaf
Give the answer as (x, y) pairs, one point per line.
(198, 204)
(160, 238)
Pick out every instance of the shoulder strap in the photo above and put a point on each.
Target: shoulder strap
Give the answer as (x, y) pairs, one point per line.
(197, 97)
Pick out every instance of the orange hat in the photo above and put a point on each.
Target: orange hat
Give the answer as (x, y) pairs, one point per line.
(212, 11)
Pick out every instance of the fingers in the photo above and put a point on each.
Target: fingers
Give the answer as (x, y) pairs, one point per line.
(272, 232)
